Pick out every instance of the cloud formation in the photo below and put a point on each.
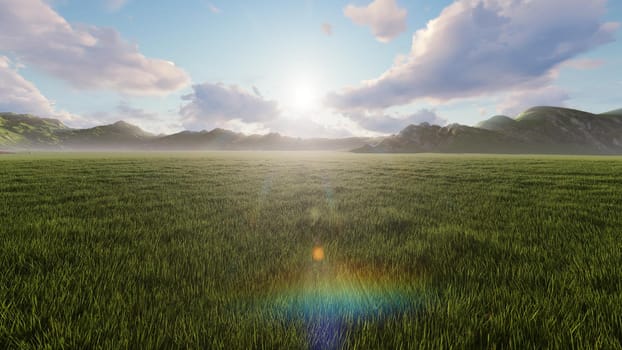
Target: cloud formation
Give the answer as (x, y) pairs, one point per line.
(519, 101)
(19, 95)
(389, 124)
(126, 110)
(479, 47)
(384, 17)
(147, 120)
(213, 105)
(85, 56)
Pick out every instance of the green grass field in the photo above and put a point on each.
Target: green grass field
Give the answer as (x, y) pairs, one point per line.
(214, 250)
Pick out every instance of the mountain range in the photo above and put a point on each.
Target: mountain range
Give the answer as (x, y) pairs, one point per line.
(28, 132)
(548, 130)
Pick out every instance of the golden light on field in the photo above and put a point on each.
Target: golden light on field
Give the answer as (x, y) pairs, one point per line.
(317, 253)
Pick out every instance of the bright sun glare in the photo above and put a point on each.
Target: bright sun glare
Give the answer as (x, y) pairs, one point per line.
(304, 95)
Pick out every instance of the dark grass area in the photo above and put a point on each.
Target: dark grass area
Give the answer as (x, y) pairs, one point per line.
(213, 250)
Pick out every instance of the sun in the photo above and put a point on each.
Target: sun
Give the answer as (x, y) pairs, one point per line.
(304, 94)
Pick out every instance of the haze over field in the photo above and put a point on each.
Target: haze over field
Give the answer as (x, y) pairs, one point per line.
(306, 69)
(537, 130)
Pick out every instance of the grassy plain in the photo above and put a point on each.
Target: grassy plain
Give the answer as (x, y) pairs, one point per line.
(214, 250)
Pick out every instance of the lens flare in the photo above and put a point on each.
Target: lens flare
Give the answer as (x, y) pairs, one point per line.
(317, 253)
(331, 298)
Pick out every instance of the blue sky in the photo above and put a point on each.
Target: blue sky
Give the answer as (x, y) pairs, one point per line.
(305, 68)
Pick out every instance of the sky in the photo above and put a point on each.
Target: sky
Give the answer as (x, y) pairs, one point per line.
(306, 68)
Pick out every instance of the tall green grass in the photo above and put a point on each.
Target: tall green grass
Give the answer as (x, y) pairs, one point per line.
(213, 250)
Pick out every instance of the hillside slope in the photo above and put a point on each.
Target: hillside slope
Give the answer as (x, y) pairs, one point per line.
(552, 130)
(28, 130)
(545, 130)
(120, 135)
(454, 138)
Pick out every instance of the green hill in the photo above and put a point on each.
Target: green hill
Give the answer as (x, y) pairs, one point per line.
(498, 122)
(220, 139)
(614, 113)
(28, 130)
(552, 130)
(454, 138)
(119, 135)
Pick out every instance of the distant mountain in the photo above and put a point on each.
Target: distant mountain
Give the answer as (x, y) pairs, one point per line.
(454, 138)
(220, 139)
(120, 135)
(188, 140)
(551, 130)
(538, 130)
(19, 131)
(562, 130)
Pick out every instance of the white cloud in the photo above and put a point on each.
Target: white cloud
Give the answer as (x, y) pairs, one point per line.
(519, 101)
(384, 17)
(238, 125)
(233, 108)
(389, 124)
(213, 105)
(320, 124)
(126, 110)
(147, 120)
(85, 56)
(19, 95)
(482, 47)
